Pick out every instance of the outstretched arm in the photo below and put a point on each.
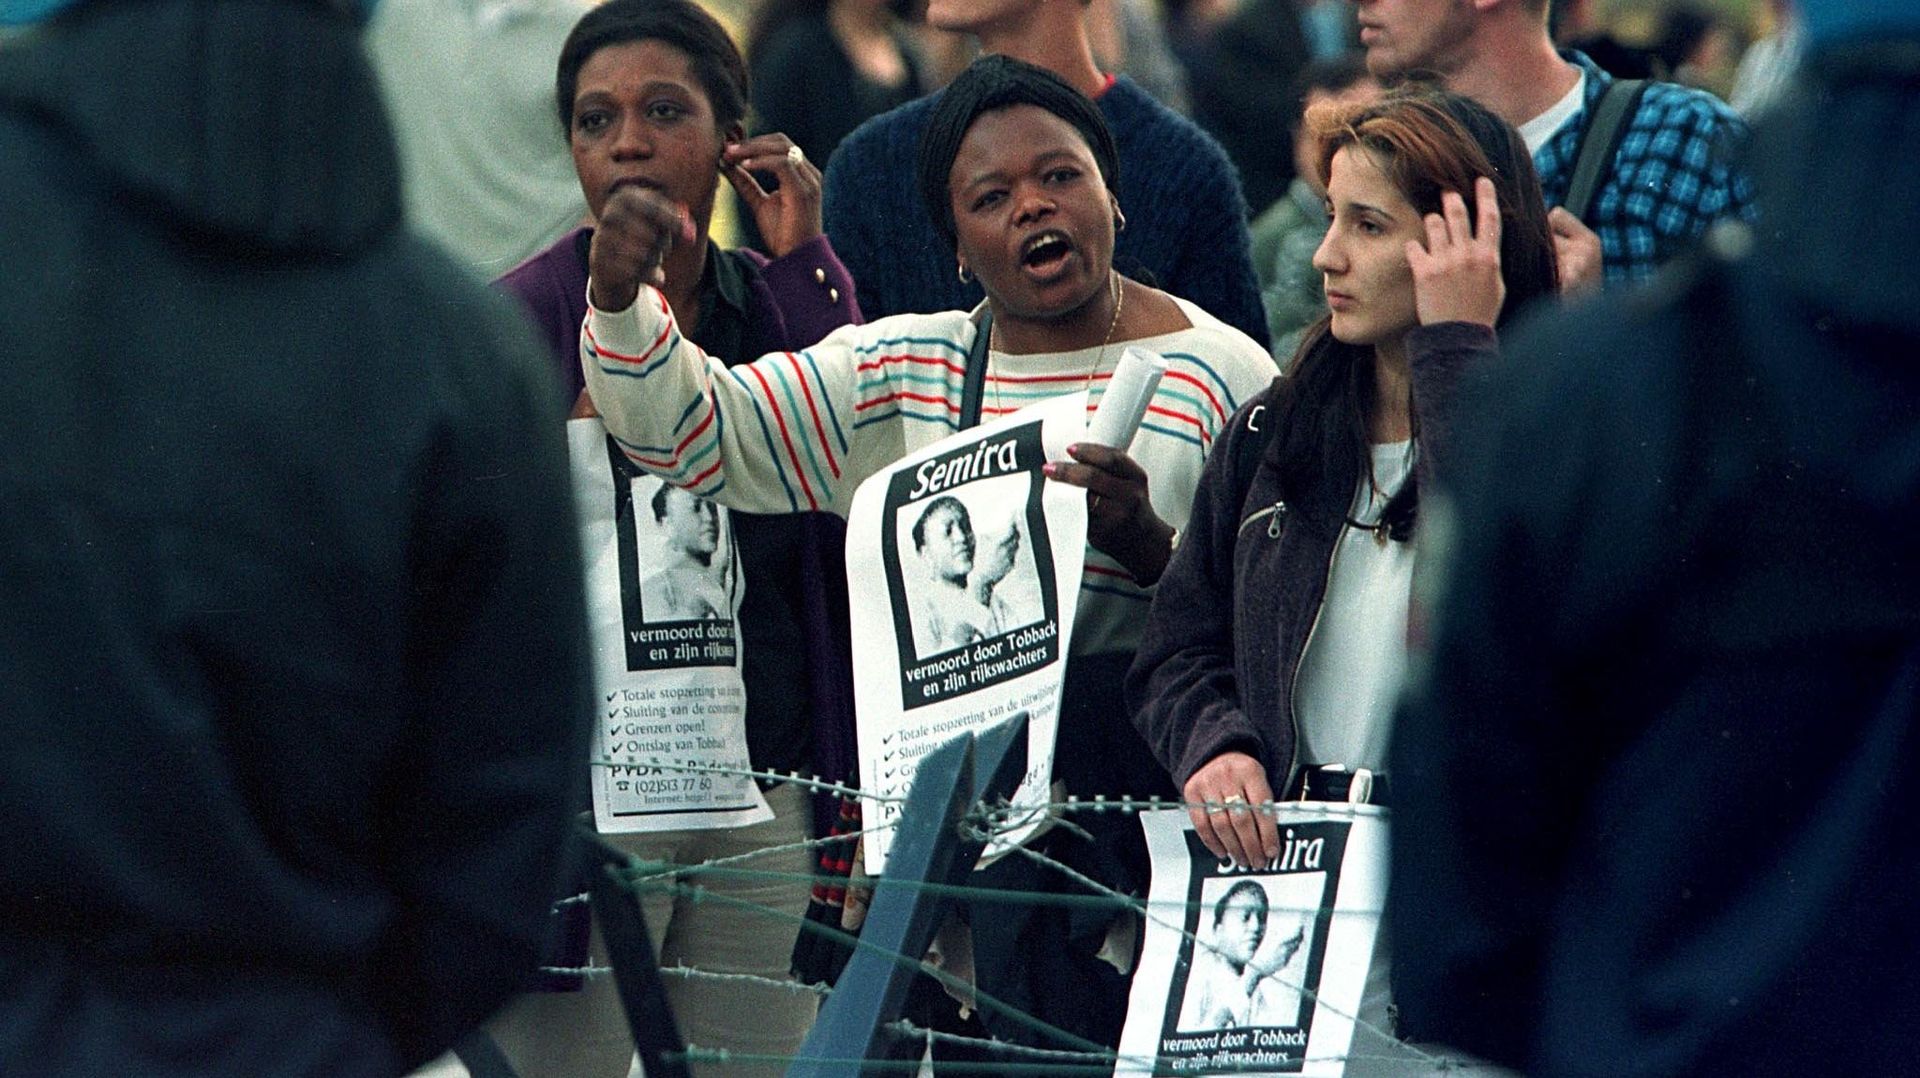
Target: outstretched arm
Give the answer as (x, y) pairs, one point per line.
(773, 436)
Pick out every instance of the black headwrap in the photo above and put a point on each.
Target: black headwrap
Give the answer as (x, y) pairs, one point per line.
(987, 85)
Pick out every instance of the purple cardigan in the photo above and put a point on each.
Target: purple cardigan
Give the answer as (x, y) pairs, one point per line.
(790, 302)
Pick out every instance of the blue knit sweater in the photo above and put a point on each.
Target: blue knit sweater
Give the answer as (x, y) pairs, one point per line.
(1186, 219)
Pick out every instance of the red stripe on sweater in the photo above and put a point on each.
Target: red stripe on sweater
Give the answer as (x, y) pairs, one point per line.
(903, 395)
(781, 420)
(651, 349)
(1196, 383)
(905, 357)
(819, 429)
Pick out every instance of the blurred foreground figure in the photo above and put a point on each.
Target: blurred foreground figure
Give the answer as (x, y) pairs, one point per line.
(1662, 782)
(292, 703)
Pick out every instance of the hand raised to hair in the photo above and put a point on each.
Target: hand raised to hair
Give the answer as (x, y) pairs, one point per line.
(1121, 522)
(637, 228)
(1456, 276)
(789, 216)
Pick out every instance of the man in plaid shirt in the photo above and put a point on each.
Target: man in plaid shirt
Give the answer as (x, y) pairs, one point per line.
(1670, 177)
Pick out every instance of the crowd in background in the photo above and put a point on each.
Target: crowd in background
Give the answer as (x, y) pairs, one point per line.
(1239, 68)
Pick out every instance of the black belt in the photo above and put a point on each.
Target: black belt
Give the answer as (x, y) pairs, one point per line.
(1336, 783)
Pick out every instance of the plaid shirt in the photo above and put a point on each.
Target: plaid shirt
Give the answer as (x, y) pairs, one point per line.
(1670, 177)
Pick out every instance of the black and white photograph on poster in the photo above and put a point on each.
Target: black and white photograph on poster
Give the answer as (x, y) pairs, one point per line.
(678, 587)
(1257, 970)
(971, 606)
(1253, 945)
(969, 572)
(688, 581)
(663, 596)
(981, 556)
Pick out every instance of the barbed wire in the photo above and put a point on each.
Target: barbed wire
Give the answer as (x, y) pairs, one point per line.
(1107, 1060)
(1114, 1058)
(692, 973)
(1097, 803)
(908, 1028)
(977, 893)
(985, 1000)
(694, 1054)
(1158, 804)
(644, 869)
(868, 1066)
(578, 971)
(811, 782)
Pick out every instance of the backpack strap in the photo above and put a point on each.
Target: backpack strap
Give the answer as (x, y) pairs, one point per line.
(1600, 141)
(973, 387)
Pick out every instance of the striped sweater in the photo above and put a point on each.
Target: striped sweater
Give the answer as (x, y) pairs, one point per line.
(795, 431)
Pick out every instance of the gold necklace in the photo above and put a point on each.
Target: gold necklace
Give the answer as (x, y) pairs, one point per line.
(1119, 293)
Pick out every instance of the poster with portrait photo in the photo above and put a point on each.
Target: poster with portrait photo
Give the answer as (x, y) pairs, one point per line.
(981, 557)
(1260, 970)
(679, 590)
(663, 598)
(968, 561)
(1256, 938)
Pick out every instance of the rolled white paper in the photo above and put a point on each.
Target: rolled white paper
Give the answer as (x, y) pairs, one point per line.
(1124, 404)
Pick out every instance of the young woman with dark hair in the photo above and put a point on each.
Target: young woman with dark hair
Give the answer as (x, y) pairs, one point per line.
(1276, 643)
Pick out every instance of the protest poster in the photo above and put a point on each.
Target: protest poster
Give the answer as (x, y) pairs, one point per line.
(1257, 971)
(663, 601)
(964, 567)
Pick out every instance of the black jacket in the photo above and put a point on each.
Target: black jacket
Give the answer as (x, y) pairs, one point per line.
(1230, 618)
(1658, 810)
(295, 681)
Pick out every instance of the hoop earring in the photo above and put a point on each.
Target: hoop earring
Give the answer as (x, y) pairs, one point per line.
(1119, 221)
(965, 277)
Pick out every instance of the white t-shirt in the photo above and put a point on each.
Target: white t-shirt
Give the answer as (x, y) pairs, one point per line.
(1356, 655)
(1537, 131)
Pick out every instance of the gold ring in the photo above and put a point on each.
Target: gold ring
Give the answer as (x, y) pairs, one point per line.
(795, 155)
(1233, 799)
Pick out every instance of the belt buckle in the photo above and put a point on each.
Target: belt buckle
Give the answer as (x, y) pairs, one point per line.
(1360, 789)
(1313, 782)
